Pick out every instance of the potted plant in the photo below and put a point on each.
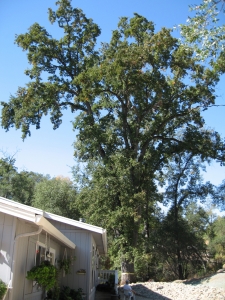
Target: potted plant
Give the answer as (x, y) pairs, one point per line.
(65, 264)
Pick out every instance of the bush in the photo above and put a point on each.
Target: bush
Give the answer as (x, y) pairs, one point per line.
(65, 293)
(3, 289)
(70, 294)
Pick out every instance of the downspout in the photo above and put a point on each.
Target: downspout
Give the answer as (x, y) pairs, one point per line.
(14, 255)
(28, 233)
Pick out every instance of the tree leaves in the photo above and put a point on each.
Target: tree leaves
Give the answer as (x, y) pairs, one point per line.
(204, 32)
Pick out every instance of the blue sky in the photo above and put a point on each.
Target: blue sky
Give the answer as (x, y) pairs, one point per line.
(51, 152)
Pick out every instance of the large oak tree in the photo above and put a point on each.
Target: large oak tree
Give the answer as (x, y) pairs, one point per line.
(129, 100)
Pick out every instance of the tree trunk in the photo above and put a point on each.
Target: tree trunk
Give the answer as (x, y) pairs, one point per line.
(177, 241)
(180, 269)
(127, 273)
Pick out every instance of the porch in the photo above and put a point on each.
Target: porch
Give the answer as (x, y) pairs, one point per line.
(103, 277)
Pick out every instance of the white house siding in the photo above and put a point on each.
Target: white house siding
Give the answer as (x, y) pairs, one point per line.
(25, 251)
(82, 241)
(7, 232)
(81, 238)
(86, 258)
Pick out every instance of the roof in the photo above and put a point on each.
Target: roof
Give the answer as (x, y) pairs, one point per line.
(99, 234)
(34, 215)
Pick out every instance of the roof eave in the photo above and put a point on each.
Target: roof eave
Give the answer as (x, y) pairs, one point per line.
(53, 231)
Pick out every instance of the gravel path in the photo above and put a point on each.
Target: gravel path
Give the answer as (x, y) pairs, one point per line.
(176, 291)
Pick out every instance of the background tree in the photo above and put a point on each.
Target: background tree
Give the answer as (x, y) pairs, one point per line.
(184, 188)
(129, 100)
(7, 172)
(216, 241)
(58, 196)
(219, 196)
(23, 184)
(17, 186)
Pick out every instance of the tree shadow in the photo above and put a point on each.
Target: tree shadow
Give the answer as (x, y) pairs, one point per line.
(142, 291)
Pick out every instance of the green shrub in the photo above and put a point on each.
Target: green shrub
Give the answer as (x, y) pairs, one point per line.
(111, 280)
(3, 289)
(54, 293)
(70, 294)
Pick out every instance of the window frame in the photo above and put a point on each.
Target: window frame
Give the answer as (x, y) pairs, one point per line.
(43, 247)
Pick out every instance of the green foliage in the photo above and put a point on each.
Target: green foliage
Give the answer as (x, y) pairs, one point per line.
(3, 289)
(70, 294)
(7, 172)
(216, 245)
(66, 263)
(185, 246)
(45, 275)
(53, 293)
(182, 251)
(204, 31)
(17, 186)
(111, 280)
(62, 59)
(219, 196)
(61, 195)
(64, 293)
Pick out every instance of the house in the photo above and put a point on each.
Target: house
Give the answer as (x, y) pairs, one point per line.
(29, 235)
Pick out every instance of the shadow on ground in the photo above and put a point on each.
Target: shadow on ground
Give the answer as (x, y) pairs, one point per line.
(143, 293)
(216, 280)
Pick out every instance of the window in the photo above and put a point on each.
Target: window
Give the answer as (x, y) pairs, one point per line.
(44, 254)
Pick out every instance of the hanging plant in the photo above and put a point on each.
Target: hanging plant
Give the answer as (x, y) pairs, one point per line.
(45, 275)
(66, 263)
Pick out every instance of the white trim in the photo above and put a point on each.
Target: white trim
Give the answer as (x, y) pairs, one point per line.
(104, 240)
(74, 223)
(17, 213)
(21, 206)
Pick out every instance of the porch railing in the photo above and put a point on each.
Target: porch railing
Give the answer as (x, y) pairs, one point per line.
(104, 275)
